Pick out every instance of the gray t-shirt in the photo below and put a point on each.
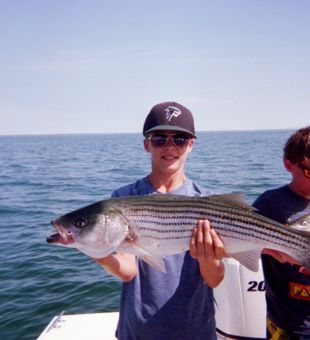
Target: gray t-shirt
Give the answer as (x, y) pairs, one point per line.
(166, 306)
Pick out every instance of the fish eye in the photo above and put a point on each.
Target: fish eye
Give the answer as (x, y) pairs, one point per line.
(304, 223)
(80, 223)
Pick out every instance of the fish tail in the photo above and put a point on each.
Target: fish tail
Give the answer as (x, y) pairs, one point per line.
(305, 252)
(305, 261)
(301, 229)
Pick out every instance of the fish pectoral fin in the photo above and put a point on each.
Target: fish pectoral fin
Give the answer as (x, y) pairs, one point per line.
(133, 247)
(155, 261)
(249, 258)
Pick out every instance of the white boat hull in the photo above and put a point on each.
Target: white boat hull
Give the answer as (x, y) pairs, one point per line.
(92, 326)
(240, 302)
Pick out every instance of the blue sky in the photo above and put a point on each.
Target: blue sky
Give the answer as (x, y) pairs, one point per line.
(73, 66)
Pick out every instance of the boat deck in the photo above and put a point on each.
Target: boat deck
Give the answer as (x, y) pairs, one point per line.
(81, 326)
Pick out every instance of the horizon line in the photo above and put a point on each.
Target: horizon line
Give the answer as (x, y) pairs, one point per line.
(128, 132)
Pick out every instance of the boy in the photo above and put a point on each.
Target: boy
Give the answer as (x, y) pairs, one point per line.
(287, 283)
(177, 304)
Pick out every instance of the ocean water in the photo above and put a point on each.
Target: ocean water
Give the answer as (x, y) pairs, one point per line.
(42, 177)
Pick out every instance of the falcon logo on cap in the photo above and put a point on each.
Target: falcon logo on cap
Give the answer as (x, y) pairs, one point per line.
(172, 111)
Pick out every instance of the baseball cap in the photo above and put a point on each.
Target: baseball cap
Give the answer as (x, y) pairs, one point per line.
(169, 116)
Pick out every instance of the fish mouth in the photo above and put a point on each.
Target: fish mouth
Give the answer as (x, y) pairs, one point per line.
(63, 236)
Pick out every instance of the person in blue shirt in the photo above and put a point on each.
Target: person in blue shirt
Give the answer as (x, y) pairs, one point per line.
(287, 282)
(177, 304)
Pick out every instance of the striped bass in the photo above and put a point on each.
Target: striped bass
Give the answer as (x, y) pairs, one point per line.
(157, 225)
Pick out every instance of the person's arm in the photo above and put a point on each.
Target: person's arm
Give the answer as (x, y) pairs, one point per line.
(264, 207)
(121, 265)
(285, 258)
(279, 256)
(208, 249)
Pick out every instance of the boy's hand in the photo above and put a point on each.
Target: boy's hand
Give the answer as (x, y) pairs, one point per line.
(205, 245)
(208, 249)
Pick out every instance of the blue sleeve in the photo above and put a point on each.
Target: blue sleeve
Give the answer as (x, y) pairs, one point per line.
(115, 194)
(262, 205)
(121, 192)
(131, 189)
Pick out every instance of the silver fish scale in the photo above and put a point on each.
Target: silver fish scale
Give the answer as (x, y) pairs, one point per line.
(161, 228)
(175, 218)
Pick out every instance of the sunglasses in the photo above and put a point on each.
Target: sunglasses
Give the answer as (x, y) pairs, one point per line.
(158, 140)
(305, 170)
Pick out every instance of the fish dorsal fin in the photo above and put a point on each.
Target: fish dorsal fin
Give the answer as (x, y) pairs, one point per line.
(249, 258)
(237, 199)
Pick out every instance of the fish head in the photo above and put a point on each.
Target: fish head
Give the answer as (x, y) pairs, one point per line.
(302, 223)
(96, 230)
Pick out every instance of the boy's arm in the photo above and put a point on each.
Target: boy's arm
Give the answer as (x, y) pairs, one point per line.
(121, 265)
